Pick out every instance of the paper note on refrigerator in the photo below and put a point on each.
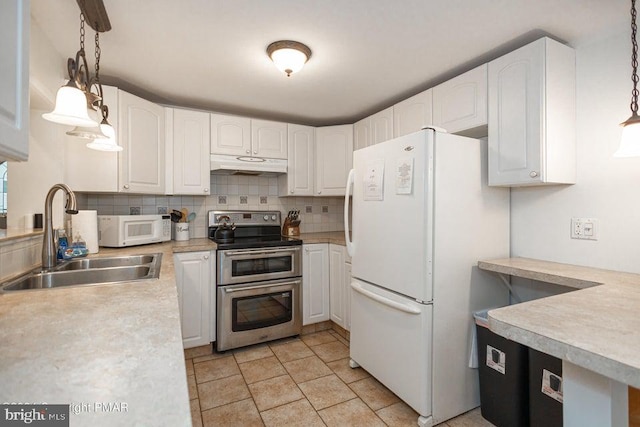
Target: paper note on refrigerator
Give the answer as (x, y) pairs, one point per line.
(404, 175)
(374, 180)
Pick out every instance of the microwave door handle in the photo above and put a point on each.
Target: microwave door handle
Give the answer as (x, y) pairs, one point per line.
(250, 288)
(262, 252)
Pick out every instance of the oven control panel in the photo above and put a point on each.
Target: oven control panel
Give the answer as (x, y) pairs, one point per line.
(244, 218)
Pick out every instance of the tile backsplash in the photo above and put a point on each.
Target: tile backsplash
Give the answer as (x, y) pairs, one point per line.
(228, 193)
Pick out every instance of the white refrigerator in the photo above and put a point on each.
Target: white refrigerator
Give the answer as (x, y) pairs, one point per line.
(422, 216)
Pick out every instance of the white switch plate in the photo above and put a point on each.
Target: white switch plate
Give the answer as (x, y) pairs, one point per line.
(584, 228)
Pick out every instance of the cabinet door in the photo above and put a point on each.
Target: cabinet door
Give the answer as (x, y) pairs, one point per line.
(191, 170)
(532, 99)
(361, 133)
(461, 103)
(337, 284)
(194, 273)
(382, 126)
(269, 139)
(230, 135)
(14, 79)
(142, 166)
(412, 114)
(90, 170)
(298, 181)
(347, 295)
(315, 283)
(334, 159)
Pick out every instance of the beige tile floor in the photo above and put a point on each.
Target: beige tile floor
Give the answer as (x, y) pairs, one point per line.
(302, 381)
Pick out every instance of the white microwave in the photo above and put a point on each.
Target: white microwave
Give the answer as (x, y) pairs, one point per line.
(117, 231)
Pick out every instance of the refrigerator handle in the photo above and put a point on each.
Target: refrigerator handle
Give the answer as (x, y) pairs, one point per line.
(385, 301)
(347, 192)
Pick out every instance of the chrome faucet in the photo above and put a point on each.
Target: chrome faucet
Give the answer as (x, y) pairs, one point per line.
(49, 252)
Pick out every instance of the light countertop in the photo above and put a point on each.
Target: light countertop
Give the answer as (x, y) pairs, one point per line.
(104, 343)
(336, 237)
(18, 233)
(596, 327)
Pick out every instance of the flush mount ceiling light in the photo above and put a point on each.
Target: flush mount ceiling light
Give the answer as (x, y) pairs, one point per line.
(630, 141)
(288, 55)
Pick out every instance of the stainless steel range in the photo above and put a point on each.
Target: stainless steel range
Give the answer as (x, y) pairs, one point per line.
(259, 283)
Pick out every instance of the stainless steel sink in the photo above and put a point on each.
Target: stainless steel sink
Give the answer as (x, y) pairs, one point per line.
(89, 263)
(90, 271)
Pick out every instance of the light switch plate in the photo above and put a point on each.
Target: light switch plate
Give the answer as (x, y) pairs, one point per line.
(585, 228)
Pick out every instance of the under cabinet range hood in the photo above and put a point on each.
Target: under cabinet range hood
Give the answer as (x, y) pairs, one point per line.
(240, 165)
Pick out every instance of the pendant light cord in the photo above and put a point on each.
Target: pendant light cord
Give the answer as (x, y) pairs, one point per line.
(634, 60)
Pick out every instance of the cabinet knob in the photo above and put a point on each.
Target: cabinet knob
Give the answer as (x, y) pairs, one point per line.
(248, 151)
(319, 192)
(126, 186)
(306, 249)
(205, 257)
(206, 190)
(255, 152)
(291, 191)
(533, 174)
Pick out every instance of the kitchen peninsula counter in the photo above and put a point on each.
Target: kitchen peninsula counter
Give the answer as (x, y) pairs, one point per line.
(112, 343)
(595, 330)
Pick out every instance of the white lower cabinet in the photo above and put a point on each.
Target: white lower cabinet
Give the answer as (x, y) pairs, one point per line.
(315, 283)
(195, 273)
(339, 286)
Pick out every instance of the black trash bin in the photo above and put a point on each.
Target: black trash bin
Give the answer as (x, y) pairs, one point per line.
(545, 390)
(504, 374)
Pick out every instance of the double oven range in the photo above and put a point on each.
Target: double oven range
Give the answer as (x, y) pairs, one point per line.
(258, 276)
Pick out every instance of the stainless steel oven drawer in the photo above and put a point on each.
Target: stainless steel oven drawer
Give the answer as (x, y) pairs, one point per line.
(253, 265)
(257, 312)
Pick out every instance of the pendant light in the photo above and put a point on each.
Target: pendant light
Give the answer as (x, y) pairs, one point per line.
(71, 100)
(630, 141)
(288, 55)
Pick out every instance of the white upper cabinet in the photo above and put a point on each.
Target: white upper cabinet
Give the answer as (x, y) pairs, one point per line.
(90, 170)
(382, 126)
(14, 79)
(269, 139)
(334, 159)
(189, 137)
(412, 114)
(362, 133)
(230, 135)
(142, 135)
(241, 136)
(532, 116)
(460, 104)
(298, 181)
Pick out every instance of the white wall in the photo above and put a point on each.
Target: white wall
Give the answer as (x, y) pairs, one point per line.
(607, 188)
(29, 181)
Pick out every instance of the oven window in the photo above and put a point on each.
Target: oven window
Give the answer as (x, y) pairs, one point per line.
(261, 311)
(254, 266)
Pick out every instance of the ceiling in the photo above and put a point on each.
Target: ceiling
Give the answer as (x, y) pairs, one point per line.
(367, 54)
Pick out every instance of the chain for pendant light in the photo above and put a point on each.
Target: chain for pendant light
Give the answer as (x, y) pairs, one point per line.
(634, 59)
(97, 53)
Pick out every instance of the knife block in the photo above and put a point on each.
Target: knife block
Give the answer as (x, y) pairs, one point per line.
(291, 228)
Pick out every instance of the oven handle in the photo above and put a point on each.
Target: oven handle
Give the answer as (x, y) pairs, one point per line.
(261, 251)
(270, 285)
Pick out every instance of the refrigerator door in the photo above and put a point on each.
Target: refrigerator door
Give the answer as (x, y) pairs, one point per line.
(391, 339)
(392, 221)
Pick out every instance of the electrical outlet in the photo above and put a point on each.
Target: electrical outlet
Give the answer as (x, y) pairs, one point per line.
(584, 228)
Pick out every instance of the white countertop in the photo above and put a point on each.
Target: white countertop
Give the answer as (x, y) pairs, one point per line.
(105, 343)
(596, 327)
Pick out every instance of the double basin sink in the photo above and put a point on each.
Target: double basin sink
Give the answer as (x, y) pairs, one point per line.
(90, 271)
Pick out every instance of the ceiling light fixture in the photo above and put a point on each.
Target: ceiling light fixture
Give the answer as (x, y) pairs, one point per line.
(288, 55)
(630, 141)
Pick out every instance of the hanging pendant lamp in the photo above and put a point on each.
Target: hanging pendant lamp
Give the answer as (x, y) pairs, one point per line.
(630, 141)
(71, 99)
(108, 143)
